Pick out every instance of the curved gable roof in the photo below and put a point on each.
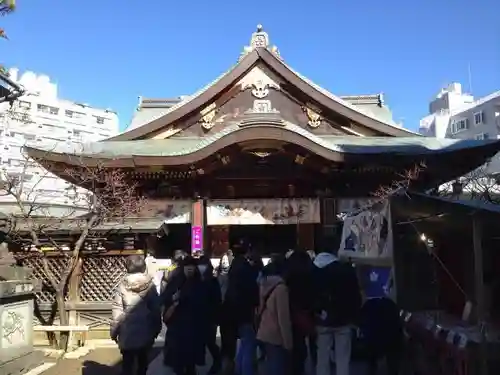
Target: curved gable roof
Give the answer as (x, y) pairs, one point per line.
(270, 58)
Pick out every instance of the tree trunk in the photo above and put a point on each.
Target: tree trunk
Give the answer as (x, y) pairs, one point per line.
(63, 319)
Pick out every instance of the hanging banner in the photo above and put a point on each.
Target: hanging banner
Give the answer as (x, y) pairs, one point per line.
(196, 238)
(172, 211)
(367, 231)
(263, 211)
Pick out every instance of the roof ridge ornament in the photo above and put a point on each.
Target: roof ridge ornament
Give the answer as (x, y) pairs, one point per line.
(260, 39)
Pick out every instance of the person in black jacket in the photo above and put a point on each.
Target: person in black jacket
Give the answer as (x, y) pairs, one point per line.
(337, 305)
(299, 279)
(212, 293)
(241, 301)
(185, 315)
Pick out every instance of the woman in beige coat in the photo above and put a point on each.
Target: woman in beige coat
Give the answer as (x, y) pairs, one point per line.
(274, 323)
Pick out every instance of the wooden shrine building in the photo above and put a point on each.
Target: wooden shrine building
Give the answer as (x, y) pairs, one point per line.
(263, 144)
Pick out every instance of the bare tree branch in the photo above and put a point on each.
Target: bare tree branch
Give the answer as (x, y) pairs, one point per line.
(95, 196)
(398, 186)
(480, 184)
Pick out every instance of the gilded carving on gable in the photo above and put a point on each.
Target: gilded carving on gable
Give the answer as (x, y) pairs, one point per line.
(259, 82)
(313, 115)
(207, 119)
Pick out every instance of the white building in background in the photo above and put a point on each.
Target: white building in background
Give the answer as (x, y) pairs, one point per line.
(39, 117)
(456, 114)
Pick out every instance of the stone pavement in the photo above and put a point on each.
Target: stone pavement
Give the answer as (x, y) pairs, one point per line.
(106, 360)
(156, 366)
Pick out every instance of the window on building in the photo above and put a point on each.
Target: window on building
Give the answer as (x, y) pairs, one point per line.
(100, 120)
(27, 177)
(482, 136)
(52, 127)
(15, 162)
(74, 114)
(479, 118)
(47, 109)
(24, 105)
(460, 125)
(29, 137)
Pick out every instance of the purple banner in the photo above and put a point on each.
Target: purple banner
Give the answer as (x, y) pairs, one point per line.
(196, 239)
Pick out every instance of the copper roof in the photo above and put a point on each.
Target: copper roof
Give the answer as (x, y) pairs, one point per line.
(260, 51)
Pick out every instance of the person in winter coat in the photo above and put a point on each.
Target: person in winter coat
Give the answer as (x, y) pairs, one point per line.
(223, 270)
(299, 279)
(228, 327)
(172, 270)
(212, 293)
(274, 322)
(337, 306)
(311, 338)
(136, 316)
(382, 331)
(241, 300)
(185, 308)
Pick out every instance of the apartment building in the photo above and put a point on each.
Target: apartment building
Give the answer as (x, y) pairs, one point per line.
(41, 117)
(457, 114)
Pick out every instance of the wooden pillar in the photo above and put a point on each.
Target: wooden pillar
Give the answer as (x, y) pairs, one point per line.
(479, 291)
(328, 219)
(198, 225)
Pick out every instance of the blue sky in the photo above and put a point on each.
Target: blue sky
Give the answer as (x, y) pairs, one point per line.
(107, 54)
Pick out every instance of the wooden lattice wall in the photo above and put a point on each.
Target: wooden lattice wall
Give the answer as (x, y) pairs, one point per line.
(99, 277)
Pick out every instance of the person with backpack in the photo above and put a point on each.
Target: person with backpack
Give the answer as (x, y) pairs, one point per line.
(136, 315)
(337, 304)
(273, 321)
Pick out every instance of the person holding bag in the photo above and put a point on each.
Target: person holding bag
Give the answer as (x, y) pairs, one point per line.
(185, 307)
(273, 322)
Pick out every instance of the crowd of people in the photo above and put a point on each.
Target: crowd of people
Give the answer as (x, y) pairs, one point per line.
(299, 305)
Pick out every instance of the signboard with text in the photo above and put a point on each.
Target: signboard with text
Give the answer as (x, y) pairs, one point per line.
(196, 239)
